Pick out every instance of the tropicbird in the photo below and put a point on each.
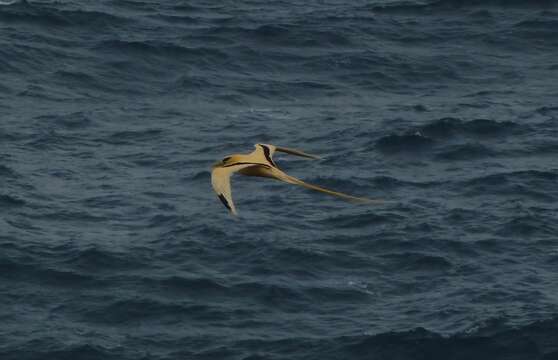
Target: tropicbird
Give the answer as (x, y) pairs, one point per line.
(260, 163)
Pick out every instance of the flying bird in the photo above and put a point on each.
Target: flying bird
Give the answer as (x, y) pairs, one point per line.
(260, 163)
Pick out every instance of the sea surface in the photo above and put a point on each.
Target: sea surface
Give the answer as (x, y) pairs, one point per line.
(113, 244)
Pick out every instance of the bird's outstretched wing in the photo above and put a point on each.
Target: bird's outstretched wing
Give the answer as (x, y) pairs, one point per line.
(296, 152)
(269, 150)
(221, 182)
(280, 175)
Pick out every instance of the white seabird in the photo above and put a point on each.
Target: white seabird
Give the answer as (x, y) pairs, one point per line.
(260, 163)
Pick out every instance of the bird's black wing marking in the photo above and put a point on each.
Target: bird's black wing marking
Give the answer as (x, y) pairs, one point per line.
(267, 154)
(244, 163)
(224, 201)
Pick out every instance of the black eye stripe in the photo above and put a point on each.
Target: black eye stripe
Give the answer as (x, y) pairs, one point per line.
(226, 159)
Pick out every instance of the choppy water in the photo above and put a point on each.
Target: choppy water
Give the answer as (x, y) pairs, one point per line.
(113, 245)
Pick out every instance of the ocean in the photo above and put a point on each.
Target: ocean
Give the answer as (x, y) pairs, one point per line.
(113, 244)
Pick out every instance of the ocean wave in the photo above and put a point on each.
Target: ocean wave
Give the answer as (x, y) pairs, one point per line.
(492, 339)
(391, 183)
(188, 286)
(142, 159)
(295, 260)
(413, 7)
(284, 297)
(357, 221)
(82, 80)
(175, 19)
(532, 341)
(416, 261)
(4, 90)
(163, 220)
(68, 215)
(366, 66)
(24, 12)
(129, 137)
(32, 13)
(285, 90)
(51, 139)
(160, 195)
(9, 65)
(49, 348)
(465, 152)
(352, 294)
(97, 259)
(289, 35)
(540, 24)
(542, 147)
(201, 175)
(448, 127)
(130, 311)
(507, 177)
(7, 172)
(200, 230)
(548, 111)
(110, 201)
(192, 82)
(542, 31)
(71, 121)
(10, 2)
(528, 226)
(23, 270)
(161, 49)
(408, 143)
(334, 134)
(518, 183)
(44, 93)
(7, 201)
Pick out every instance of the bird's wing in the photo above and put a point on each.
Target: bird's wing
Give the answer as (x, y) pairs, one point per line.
(269, 150)
(296, 152)
(221, 182)
(280, 175)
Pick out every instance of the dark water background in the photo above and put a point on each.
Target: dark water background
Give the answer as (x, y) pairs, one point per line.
(113, 245)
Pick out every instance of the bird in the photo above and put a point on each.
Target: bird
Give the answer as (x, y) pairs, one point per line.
(260, 163)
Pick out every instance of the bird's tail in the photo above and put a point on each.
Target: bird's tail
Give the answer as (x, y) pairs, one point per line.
(280, 175)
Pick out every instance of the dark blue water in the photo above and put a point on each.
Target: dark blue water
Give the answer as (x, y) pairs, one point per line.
(114, 246)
